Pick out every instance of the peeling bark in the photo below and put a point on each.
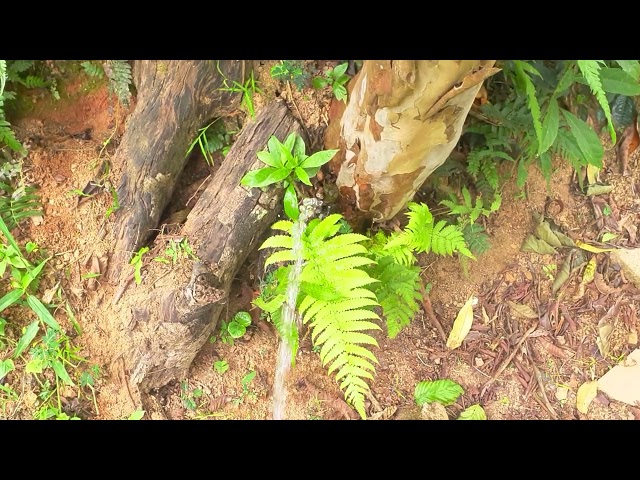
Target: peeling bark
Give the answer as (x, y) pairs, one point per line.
(175, 99)
(167, 331)
(403, 119)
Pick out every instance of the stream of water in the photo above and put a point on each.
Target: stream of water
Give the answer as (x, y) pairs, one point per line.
(289, 315)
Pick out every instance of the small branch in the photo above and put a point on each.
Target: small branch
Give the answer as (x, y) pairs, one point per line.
(428, 309)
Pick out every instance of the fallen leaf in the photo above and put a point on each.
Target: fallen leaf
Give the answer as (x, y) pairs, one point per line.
(628, 145)
(565, 240)
(593, 173)
(524, 311)
(462, 324)
(598, 189)
(47, 296)
(543, 232)
(593, 248)
(604, 332)
(533, 244)
(562, 393)
(562, 276)
(608, 236)
(384, 414)
(474, 412)
(586, 393)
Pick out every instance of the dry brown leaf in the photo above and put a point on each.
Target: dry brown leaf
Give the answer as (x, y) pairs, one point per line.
(628, 144)
(604, 332)
(462, 324)
(522, 310)
(384, 414)
(586, 393)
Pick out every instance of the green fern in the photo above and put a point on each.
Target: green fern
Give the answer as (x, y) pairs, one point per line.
(476, 238)
(398, 292)
(92, 69)
(422, 235)
(120, 78)
(332, 300)
(591, 72)
(16, 205)
(530, 90)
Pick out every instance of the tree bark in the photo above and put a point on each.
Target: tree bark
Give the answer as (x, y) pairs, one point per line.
(402, 121)
(223, 228)
(175, 99)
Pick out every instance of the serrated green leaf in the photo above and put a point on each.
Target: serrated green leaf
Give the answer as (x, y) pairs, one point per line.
(42, 312)
(530, 90)
(243, 318)
(272, 305)
(290, 201)
(615, 80)
(587, 140)
(26, 339)
(444, 391)
(533, 244)
(283, 225)
(474, 412)
(550, 126)
(236, 330)
(35, 366)
(280, 256)
(6, 366)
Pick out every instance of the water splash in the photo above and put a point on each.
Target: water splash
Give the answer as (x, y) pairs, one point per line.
(289, 316)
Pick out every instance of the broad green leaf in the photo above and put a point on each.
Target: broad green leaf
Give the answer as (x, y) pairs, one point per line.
(35, 365)
(319, 158)
(302, 176)
(221, 366)
(274, 145)
(290, 141)
(533, 244)
(340, 92)
(299, 148)
(291, 203)
(546, 166)
(286, 157)
(265, 177)
(243, 318)
(615, 80)
(3, 322)
(6, 366)
(273, 160)
(340, 70)
(42, 312)
(550, 126)
(585, 395)
(137, 415)
(444, 391)
(462, 324)
(623, 111)
(26, 339)
(474, 412)
(319, 82)
(632, 67)
(587, 140)
(607, 236)
(10, 298)
(236, 330)
(33, 274)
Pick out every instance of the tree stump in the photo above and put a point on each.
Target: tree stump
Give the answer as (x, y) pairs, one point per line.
(175, 99)
(167, 331)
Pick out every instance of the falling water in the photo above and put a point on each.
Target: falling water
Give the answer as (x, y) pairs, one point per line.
(289, 308)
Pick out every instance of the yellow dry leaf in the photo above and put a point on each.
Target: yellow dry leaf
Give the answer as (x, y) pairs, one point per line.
(589, 271)
(586, 393)
(462, 324)
(593, 249)
(593, 173)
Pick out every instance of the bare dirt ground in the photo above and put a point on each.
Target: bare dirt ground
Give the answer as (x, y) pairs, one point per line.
(539, 382)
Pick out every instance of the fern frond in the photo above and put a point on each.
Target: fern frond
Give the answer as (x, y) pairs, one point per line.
(590, 70)
(490, 172)
(397, 292)
(33, 81)
(92, 69)
(9, 138)
(20, 204)
(530, 91)
(120, 78)
(448, 239)
(477, 239)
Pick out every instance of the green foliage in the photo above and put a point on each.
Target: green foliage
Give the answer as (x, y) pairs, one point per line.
(237, 327)
(136, 415)
(591, 72)
(211, 139)
(290, 71)
(336, 78)
(423, 235)
(443, 391)
(175, 251)
(245, 383)
(191, 399)
(136, 261)
(474, 412)
(221, 366)
(18, 204)
(120, 79)
(287, 162)
(248, 90)
(92, 69)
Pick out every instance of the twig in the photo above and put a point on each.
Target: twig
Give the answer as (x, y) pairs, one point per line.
(545, 400)
(428, 308)
(199, 187)
(507, 360)
(121, 289)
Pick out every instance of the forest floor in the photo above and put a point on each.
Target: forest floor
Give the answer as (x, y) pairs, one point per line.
(553, 354)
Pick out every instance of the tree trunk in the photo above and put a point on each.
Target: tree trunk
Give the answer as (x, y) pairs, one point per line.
(168, 330)
(175, 99)
(402, 121)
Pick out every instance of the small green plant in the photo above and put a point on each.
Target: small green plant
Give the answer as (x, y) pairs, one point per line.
(287, 162)
(115, 202)
(221, 366)
(237, 327)
(290, 71)
(92, 69)
(120, 79)
(210, 139)
(336, 78)
(88, 379)
(443, 391)
(136, 261)
(190, 399)
(248, 91)
(175, 251)
(246, 391)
